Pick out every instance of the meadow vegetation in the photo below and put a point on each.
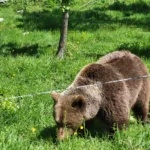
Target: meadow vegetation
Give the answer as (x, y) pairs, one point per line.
(28, 64)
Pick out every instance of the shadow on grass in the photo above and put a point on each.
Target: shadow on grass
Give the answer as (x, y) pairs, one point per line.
(88, 19)
(43, 20)
(97, 133)
(29, 50)
(48, 134)
(136, 48)
(135, 7)
(51, 20)
(132, 9)
(14, 50)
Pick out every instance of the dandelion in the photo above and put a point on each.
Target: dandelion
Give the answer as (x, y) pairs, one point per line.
(75, 133)
(33, 130)
(81, 127)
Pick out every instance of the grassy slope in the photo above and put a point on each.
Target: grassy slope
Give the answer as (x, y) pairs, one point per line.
(28, 65)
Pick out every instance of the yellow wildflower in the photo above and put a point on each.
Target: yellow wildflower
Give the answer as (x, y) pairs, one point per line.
(81, 127)
(75, 133)
(33, 129)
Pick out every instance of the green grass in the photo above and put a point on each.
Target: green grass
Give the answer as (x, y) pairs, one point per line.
(28, 64)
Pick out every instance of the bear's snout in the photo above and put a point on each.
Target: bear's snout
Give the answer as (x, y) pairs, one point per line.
(64, 133)
(61, 134)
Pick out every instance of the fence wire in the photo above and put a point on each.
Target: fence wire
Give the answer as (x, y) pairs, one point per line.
(84, 86)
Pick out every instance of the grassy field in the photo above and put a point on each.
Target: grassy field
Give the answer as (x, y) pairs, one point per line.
(28, 43)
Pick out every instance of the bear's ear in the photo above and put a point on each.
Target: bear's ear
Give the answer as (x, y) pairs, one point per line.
(79, 102)
(55, 96)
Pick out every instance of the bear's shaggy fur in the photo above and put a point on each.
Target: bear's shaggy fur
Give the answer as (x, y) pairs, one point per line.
(110, 103)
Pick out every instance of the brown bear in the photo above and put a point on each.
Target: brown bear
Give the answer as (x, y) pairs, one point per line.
(111, 103)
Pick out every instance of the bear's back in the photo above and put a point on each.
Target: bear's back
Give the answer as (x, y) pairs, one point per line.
(126, 63)
(117, 55)
(116, 65)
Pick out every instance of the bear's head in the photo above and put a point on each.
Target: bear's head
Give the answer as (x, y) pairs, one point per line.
(68, 113)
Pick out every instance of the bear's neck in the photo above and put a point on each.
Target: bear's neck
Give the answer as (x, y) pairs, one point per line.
(93, 96)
